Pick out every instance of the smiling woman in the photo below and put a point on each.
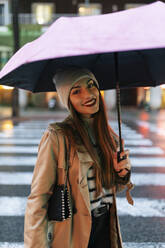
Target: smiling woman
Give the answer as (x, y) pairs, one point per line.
(86, 145)
(84, 97)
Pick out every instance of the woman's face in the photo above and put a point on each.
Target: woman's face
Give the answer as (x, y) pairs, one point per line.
(84, 96)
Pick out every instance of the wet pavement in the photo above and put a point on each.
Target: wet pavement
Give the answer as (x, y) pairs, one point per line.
(142, 225)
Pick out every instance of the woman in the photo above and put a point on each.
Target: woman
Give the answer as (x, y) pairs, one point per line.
(94, 173)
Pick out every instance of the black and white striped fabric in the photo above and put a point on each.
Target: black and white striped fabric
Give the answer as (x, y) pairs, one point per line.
(105, 197)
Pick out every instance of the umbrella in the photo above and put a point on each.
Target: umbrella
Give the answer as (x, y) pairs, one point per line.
(138, 35)
(126, 47)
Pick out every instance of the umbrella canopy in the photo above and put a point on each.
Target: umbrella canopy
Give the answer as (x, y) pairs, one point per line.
(138, 35)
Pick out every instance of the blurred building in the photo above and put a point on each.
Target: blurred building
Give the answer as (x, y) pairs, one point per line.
(35, 16)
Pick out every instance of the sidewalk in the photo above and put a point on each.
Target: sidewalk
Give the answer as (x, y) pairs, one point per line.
(130, 113)
(127, 113)
(31, 114)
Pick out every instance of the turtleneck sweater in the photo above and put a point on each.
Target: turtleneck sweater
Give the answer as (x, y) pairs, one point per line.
(106, 196)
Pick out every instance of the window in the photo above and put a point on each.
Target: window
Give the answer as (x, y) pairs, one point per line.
(89, 9)
(43, 12)
(4, 12)
(132, 5)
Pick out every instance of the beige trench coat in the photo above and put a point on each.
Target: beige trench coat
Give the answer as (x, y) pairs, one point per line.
(73, 232)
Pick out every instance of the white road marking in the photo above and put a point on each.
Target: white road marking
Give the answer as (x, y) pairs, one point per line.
(114, 124)
(139, 142)
(127, 132)
(17, 160)
(133, 132)
(15, 206)
(34, 149)
(18, 141)
(130, 136)
(21, 135)
(21, 131)
(33, 125)
(11, 245)
(125, 244)
(12, 206)
(17, 129)
(152, 127)
(25, 178)
(31, 160)
(15, 178)
(18, 149)
(142, 207)
(156, 179)
(144, 245)
(38, 134)
(145, 150)
(147, 162)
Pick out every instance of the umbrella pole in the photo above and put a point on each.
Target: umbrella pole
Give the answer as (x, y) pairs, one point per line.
(118, 99)
(119, 115)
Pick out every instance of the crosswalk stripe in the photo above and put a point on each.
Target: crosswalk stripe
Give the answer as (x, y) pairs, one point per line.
(18, 149)
(25, 178)
(140, 142)
(125, 245)
(127, 132)
(147, 162)
(144, 245)
(21, 131)
(145, 150)
(31, 160)
(17, 141)
(11, 245)
(156, 179)
(142, 207)
(17, 160)
(36, 133)
(130, 136)
(152, 127)
(15, 178)
(12, 206)
(114, 125)
(15, 206)
(21, 135)
(34, 149)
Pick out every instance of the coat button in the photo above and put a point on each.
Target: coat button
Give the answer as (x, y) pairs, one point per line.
(49, 236)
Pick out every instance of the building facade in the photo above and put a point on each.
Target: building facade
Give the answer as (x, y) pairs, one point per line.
(36, 15)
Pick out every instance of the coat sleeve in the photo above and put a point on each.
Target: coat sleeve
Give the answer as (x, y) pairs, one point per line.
(120, 181)
(36, 222)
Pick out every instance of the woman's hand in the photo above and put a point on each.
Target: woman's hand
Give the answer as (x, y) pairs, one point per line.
(123, 166)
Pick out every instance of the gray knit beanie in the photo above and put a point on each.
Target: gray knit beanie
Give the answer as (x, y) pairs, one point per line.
(65, 79)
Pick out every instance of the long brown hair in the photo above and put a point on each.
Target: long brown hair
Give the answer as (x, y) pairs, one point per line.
(104, 172)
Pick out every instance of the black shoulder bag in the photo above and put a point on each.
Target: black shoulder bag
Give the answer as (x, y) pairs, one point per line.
(59, 204)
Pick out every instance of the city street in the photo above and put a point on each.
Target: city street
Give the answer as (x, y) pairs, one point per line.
(142, 225)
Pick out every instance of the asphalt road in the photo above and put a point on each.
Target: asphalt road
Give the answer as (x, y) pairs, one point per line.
(142, 225)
